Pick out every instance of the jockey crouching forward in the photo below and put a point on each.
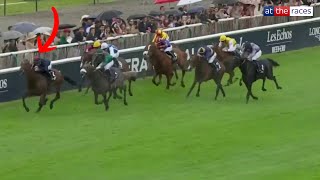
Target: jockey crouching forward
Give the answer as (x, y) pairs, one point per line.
(106, 64)
(165, 45)
(254, 53)
(208, 54)
(44, 66)
(113, 51)
(228, 44)
(160, 35)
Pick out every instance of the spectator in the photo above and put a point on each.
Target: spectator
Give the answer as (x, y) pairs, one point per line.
(78, 35)
(132, 28)
(143, 25)
(88, 26)
(162, 9)
(63, 37)
(97, 25)
(91, 36)
(115, 26)
(123, 28)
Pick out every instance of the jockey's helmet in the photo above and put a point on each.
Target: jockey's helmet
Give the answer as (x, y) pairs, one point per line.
(201, 51)
(159, 32)
(223, 38)
(36, 58)
(104, 45)
(96, 44)
(247, 45)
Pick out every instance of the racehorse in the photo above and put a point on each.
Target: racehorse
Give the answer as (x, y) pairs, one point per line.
(101, 86)
(39, 85)
(182, 62)
(89, 57)
(162, 64)
(229, 61)
(204, 72)
(250, 74)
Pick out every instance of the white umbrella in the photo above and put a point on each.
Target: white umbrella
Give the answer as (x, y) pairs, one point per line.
(186, 2)
(42, 30)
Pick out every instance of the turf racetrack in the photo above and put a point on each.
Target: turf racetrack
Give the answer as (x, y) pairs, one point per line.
(163, 135)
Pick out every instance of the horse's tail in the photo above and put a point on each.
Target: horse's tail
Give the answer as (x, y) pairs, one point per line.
(70, 81)
(274, 63)
(130, 75)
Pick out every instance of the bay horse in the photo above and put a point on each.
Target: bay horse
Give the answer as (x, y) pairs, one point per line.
(39, 85)
(204, 72)
(250, 74)
(182, 62)
(89, 57)
(101, 85)
(229, 61)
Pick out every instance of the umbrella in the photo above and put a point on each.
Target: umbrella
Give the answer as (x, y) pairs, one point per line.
(24, 27)
(42, 30)
(253, 2)
(174, 12)
(196, 10)
(11, 35)
(224, 1)
(155, 13)
(186, 2)
(107, 15)
(136, 16)
(164, 1)
(66, 26)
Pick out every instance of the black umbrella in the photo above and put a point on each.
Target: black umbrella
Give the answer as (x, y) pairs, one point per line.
(66, 26)
(174, 13)
(225, 1)
(107, 15)
(24, 27)
(136, 16)
(196, 10)
(11, 35)
(155, 13)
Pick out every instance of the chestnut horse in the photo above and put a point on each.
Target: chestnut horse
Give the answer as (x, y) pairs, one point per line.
(39, 85)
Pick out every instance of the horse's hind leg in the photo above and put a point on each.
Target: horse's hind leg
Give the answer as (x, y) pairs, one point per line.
(191, 88)
(219, 87)
(176, 73)
(275, 81)
(115, 94)
(125, 95)
(198, 91)
(96, 99)
(24, 101)
(169, 77)
(249, 93)
(88, 88)
(130, 92)
(154, 80)
(105, 101)
(231, 75)
(182, 81)
(263, 83)
(55, 98)
(41, 102)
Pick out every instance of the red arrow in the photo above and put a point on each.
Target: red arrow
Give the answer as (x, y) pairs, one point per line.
(45, 47)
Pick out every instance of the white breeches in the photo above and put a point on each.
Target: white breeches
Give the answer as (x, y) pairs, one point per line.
(50, 67)
(168, 49)
(109, 65)
(212, 58)
(231, 48)
(256, 56)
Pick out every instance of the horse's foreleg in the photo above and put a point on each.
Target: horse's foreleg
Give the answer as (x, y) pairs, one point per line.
(249, 93)
(240, 81)
(41, 102)
(115, 94)
(160, 79)
(105, 101)
(191, 88)
(198, 92)
(263, 82)
(81, 82)
(88, 88)
(24, 101)
(169, 78)
(182, 81)
(125, 95)
(96, 99)
(55, 98)
(130, 92)
(154, 80)
(231, 75)
(176, 73)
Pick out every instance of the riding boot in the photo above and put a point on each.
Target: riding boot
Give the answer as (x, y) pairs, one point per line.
(172, 55)
(116, 63)
(110, 76)
(52, 75)
(259, 67)
(48, 75)
(213, 66)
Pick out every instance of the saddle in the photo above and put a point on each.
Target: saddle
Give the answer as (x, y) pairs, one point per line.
(260, 67)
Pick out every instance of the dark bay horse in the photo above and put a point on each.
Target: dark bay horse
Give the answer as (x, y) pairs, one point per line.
(88, 57)
(229, 61)
(250, 74)
(39, 85)
(204, 72)
(182, 62)
(101, 86)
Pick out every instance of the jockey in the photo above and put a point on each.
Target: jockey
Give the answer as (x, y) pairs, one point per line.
(208, 54)
(254, 53)
(43, 66)
(112, 50)
(160, 35)
(166, 46)
(228, 44)
(106, 65)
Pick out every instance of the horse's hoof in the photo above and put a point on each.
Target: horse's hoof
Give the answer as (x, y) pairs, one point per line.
(198, 95)
(264, 89)
(107, 108)
(255, 98)
(182, 85)
(279, 87)
(27, 109)
(125, 103)
(130, 94)
(51, 106)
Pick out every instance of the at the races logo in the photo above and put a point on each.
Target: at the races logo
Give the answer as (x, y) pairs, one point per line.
(315, 32)
(3, 84)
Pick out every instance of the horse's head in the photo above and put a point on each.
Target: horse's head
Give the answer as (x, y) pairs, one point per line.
(87, 68)
(146, 52)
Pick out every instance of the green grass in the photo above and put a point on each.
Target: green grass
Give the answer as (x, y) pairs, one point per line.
(163, 135)
(43, 5)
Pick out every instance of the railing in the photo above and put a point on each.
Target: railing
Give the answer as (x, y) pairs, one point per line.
(134, 40)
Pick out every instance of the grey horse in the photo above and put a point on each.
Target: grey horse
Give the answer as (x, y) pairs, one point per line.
(101, 85)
